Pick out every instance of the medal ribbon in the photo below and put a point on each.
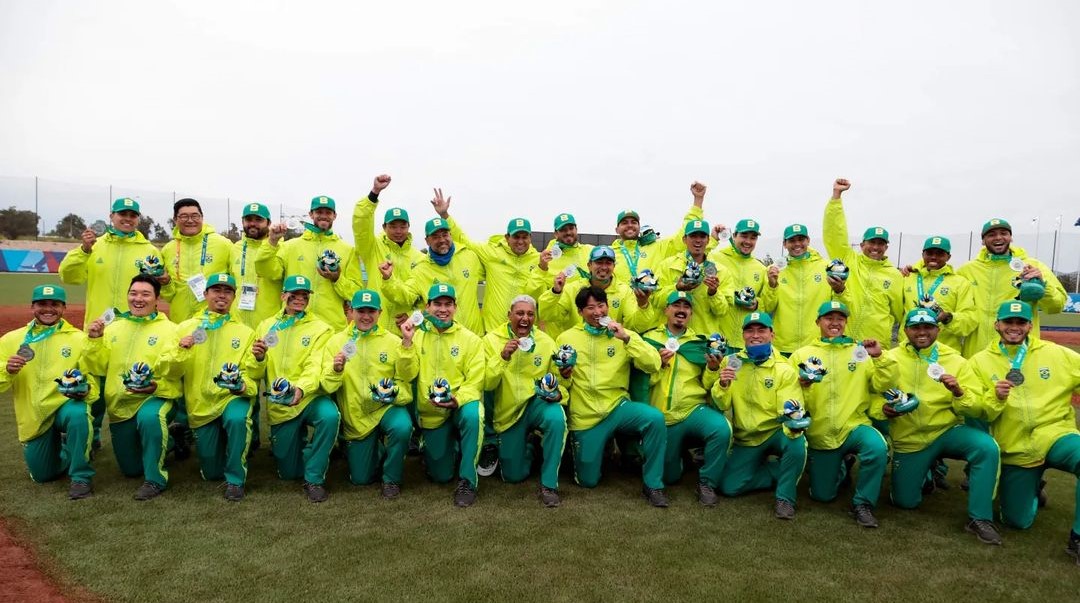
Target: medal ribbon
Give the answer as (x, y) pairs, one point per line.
(933, 287)
(631, 263)
(356, 332)
(316, 230)
(243, 259)
(133, 318)
(121, 234)
(932, 358)
(285, 323)
(841, 340)
(213, 326)
(31, 338)
(1020, 354)
(591, 330)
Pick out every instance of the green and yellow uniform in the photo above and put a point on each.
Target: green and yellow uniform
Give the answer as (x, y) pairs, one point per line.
(635, 256)
(189, 260)
(744, 271)
(560, 314)
(374, 248)
(793, 303)
(950, 291)
(709, 310)
(463, 270)
(267, 290)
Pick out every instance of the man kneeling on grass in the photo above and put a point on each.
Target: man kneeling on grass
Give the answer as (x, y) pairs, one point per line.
(53, 420)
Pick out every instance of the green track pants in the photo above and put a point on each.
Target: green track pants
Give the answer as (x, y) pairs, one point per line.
(384, 448)
(516, 453)
(463, 431)
(641, 420)
(51, 454)
(962, 443)
(222, 444)
(299, 456)
(140, 443)
(1020, 485)
(703, 423)
(749, 467)
(827, 470)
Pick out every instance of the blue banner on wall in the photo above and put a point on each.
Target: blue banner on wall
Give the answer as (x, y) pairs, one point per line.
(26, 260)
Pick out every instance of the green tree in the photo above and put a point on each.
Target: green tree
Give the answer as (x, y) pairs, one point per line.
(70, 226)
(233, 234)
(15, 223)
(160, 234)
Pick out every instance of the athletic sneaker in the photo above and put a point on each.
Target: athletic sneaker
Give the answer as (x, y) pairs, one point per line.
(464, 494)
(234, 493)
(549, 496)
(181, 449)
(706, 495)
(984, 530)
(1073, 548)
(784, 509)
(147, 491)
(655, 496)
(80, 490)
(864, 516)
(489, 460)
(390, 491)
(316, 493)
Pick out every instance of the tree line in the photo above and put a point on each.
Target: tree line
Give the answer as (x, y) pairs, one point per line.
(16, 223)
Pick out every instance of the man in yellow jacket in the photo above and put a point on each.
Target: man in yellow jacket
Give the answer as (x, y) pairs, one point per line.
(217, 391)
(449, 386)
(934, 284)
(371, 370)
(597, 377)
(571, 251)
(106, 265)
(518, 357)
(140, 355)
(762, 391)
(1030, 384)
(641, 248)
(288, 355)
(835, 374)
(875, 286)
(993, 275)
(703, 280)
(52, 416)
(680, 390)
(796, 291)
(748, 279)
(929, 389)
(195, 252)
(394, 245)
(328, 263)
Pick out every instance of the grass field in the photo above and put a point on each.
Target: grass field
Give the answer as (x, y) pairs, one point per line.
(604, 545)
(15, 288)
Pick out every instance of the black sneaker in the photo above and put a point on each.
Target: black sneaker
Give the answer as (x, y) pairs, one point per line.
(984, 530)
(784, 509)
(253, 448)
(464, 494)
(655, 496)
(316, 493)
(390, 491)
(549, 496)
(1043, 496)
(864, 516)
(181, 449)
(489, 460)
(147, 491)
(80, 490)
(1073, 548)
(234, 493)
(414, 445)
(706, 495)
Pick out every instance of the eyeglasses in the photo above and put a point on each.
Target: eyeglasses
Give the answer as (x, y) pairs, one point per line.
(188, 217)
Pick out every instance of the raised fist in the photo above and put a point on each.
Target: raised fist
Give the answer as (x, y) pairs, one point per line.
(381, 181)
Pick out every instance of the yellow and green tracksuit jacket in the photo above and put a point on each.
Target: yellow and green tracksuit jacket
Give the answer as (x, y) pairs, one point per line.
(632, 257)
(991, 286)
(559, 312)
(107, 270)
(875, 293)
(513, 381)
(300, 257)
(841, 401)
(681, 386)
(793, 304)
(601, 378)
(205, 253)
(709, 310)
(457, 355)
(576, 255)
(1039, 411)
(938, 411)
(153, 340)
(379, 355)
(756, 399)
(231, 342)
(268, 290)
(745, 271)
(297, 357)
(953, 294)
(374, 248)
(464, 271)
(36, 398)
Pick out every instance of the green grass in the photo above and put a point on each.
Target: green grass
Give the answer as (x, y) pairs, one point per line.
(1060, 319)
(604, 544)
(15, 288)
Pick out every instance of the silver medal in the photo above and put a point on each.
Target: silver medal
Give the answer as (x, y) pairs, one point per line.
(349, 349)
(734, 362)
(556, 252)
(1015, 377)
(292, 223)
(604, 321)
(672, 344)
(271, 339)
(710, 269)
(859, 354)
(99, 228)
(935, 371)
(724, 234)
(199, 335)
(25, 352)
(569, 271)
(109, 316)
(525, 344)
(416, 318)
(1017, 264)
(781, 262)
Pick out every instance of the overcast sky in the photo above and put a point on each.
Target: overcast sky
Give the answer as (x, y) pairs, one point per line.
(941, 113)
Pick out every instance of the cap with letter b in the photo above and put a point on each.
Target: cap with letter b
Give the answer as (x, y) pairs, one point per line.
(936, 242)
(517, 225)
(832, 306)
(256, 209)
(876, 232)
(221, 278)
(441, 290)
(996, 223)
(696, 226)
(366, 298)
(435, 225)
(1015, 309)
(757, 318)
(796, 230)
(675, 296)
(626, 213)
(126, 204)
(747, 225)
(296, 283)
(49, 293)
(564, 219)
(394, 214)
(323, 201)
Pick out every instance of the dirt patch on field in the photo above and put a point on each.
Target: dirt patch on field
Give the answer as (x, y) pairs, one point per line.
(21, 578)
(13, 317)
(1062, 337)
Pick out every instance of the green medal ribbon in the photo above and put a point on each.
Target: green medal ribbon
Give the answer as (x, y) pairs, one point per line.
(1021, 353)
(933, 287)
(631, 263)
(285, 323)
(213, 326)
(316, 230)
(121, 234)
(591, 330)
(356, 332)
(841, 340)
(731, 242)
(41, 336)
(930, 359)
(133, 318)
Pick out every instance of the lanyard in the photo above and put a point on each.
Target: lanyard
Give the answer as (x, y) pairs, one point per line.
(933, 287)
(932, 358)
(1020, 354)
(591, 330)
(133, 318)
(213, 326)
(358, 333)
(285, 323)
(839, 340)
(202, 258)
(40, 336)
(631, 263)
(243, 259)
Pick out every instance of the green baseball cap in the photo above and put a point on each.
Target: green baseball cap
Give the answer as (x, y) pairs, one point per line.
(675, 296)
(366, 298)
(747, 225)
(938, 243)
(626, 213)
(296, 283)
(694, 226)
(323, 201)
(876, 232)
(600, 252)
(256, 209)
(832, 306)
(917, 316)
(757, 318)
(996, 223)
(1014, 309)
(564, 219)
(517, 225)
(434, 225)
(441, 290)
(49, 292)
(395, 213)
(221, 278)
(796, 230)
(126, 204)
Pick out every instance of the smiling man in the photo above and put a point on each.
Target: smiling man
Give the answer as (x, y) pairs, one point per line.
(746, 272)
(54, 424)
(572, 252)
(642, 248)
(701, 279)
(258, 297)
(933, 284)
(195, 252)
